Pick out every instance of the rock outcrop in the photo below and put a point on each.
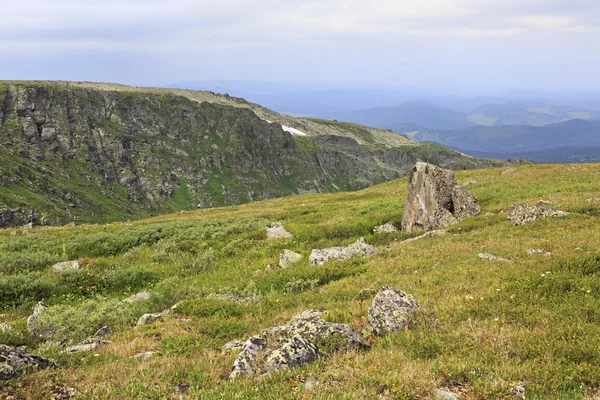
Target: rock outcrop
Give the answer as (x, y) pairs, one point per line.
(289, 258)
(277, 231)
(391, 311)
(435, 199)
(306, 338)
(14, 363)
(360, 248)
(520, 213)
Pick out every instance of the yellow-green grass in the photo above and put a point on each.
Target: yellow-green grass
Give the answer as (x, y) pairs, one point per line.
(486, 326)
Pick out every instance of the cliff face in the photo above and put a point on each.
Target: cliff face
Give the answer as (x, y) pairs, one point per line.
(79, 154)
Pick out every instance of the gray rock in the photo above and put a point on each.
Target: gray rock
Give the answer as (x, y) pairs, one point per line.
(593, 200)
(385, 228)
(63, 266)
(520, 213)
(243, 298)
(233, 346)
(544, 203)
(6, 327)
(391, 311)
(310, 384)
(493, 257)
(150, 318)
(145, 355)
(509, 171)
(14, 363)
(92, 342)
(435, 199)
(32, 320)
(304, 339)
(426, 235)
(538, 252)
(289, 258)
(277, 231)
(144, 295)
(444, 395)
(357, 249)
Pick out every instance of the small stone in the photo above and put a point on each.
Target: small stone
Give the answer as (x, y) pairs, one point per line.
(277, 231)
(289, 258)
(233, 346)
(32, 320)
(310, 384)
(145, 355)
(357, 249)
(63, 266)
(63, 393)
(509, 171)
(366, 293)
(385, 228)
(544, 203)
(538, 252)
(426, 235)
(519, 390)
(579, 249)
(143, 295)
(391, 311)
(593, 200)
(6, 327)
(493, 257)
(469, 182)
(150, 318)
(444, 395)
(249, 298)
(257, 272)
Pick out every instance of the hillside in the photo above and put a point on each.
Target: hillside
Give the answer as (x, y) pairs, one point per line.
(85, 152)
(488, 329)
(511, 138)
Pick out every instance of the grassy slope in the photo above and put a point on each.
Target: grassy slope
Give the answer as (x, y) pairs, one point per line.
(486, 327)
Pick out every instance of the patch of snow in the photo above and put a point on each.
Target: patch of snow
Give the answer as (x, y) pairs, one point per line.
(291, 130)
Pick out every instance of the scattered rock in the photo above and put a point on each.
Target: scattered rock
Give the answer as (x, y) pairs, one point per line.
(593, 200)
(391, 311)
(544, 203)
(233, 346)
(32, 320)
(509, 171)
(14, 363)
(385, 228)
(277, 231)
(426, 235)
(492, 257)
(306, 338)
(182, 388)
(144, 295)
(579, 249)
(521, 213)
(518, 390)
(359, 248)
(63, 393)
(538, 252)
(289, 258)
(310, 384)
(444, 395)
(145, 355)
(245, 298)
(470, 182)
(91, 343)
(150, 318)
(6, 327)
(63, 266)
(435, 199)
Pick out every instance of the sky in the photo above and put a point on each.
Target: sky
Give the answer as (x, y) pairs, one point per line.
(474, 44)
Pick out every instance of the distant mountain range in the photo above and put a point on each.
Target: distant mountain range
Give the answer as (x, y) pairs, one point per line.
(571, 141)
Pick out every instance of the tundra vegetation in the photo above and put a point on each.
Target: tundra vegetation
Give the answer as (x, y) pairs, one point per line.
(486, 329)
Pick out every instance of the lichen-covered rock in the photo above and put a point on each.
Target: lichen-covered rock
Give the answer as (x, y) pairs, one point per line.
(143, 295)
(150, 318)
(385, 228)
(277, 231)
(32, 320)
(520, 213)
(360, 248)
(92, 342)
(306, 338)
(14, 363)
(289, 258)
(63, 266)
(391, 311)
(435, 199)
(234, 345)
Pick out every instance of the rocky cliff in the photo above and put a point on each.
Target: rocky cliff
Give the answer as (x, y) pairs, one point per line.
(91, 155)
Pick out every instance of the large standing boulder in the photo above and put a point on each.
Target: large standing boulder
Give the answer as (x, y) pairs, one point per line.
(391, 311)
(357, 249)
(435, 199)
(14, 363)
(304, 339)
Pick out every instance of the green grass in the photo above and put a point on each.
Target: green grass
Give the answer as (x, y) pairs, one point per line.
(485, 326)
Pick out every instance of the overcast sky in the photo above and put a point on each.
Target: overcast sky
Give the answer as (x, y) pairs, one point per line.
(479, 44)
